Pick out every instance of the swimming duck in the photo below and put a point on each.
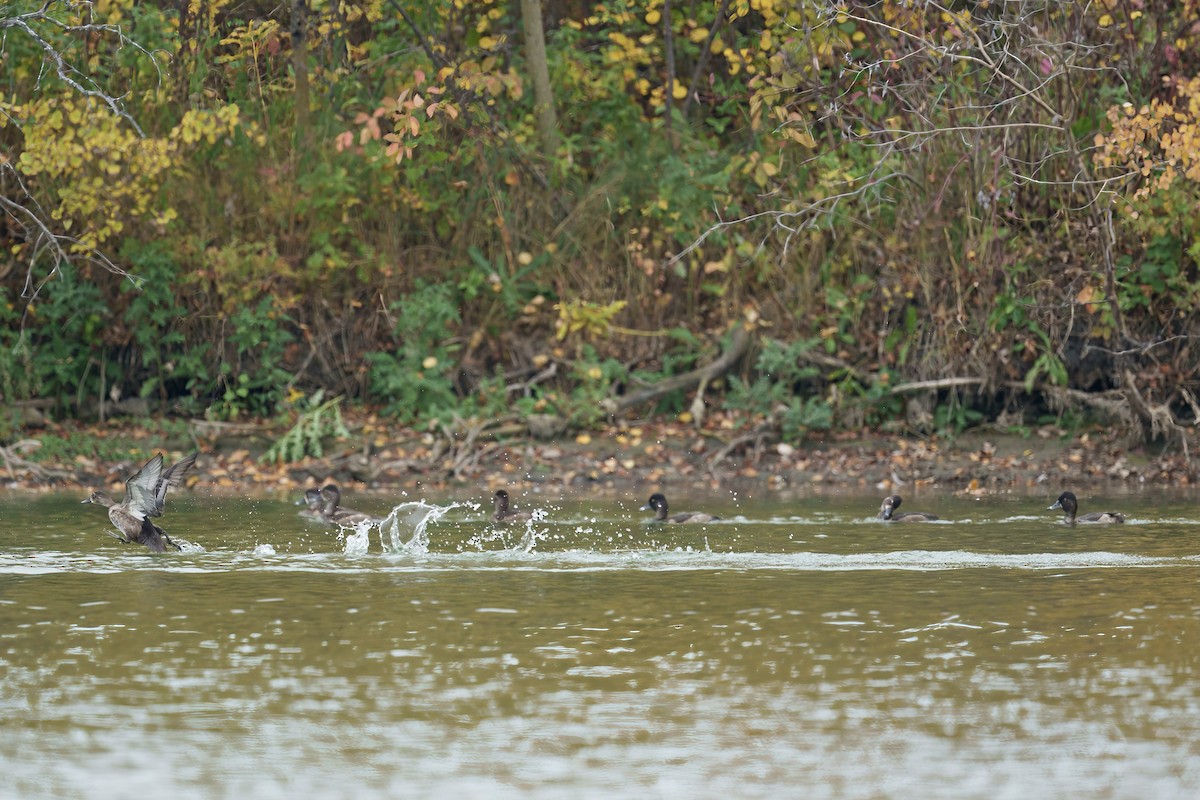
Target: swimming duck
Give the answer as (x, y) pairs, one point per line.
(503, 513)
(315, 505)
(333, 512)
(658, 504)
(145, 494)
(887, 512)
(1070, 506)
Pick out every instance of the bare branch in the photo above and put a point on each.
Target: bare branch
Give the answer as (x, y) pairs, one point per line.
(24, 209)
(807, 215)
(67, 72)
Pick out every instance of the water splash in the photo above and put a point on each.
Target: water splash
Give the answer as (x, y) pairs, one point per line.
(532, 534)
(357, 538)
(413, 516)
(481, 540)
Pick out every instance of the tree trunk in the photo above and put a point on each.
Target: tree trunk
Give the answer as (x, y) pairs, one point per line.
(535, 54)
(669, 93)
(299, 34)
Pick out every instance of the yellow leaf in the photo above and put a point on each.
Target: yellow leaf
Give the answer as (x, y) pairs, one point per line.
(1106, 20)
(653, 17)
(803, 138)
(679, 91)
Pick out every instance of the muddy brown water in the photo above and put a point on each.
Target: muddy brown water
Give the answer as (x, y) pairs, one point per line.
(798, 649)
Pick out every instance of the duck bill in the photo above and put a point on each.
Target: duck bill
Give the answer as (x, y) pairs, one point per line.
(1057, 506)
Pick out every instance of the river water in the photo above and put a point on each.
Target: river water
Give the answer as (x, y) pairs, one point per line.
(793, 649)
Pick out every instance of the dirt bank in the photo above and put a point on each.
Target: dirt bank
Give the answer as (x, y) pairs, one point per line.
(623, 458)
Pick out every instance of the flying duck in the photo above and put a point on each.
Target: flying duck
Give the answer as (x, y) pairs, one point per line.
(145, 494)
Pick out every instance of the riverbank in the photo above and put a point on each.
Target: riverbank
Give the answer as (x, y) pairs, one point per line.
(622, 458)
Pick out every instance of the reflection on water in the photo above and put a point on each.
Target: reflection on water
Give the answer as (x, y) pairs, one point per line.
(798, 651)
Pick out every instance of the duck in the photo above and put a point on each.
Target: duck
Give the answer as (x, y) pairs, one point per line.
(887, 512)
(1070, 506)
(503, 513)
(658, 504)
(344, 517)
(314, 502)
(145, 494)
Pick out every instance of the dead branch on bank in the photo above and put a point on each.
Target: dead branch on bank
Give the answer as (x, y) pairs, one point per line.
(13, 462)
(738, 346)
(1125, 404)
(456, 453)
(759, 438)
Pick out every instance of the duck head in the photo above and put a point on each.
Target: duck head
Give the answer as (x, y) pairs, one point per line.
(100, 499)
(1067, 502)
(890, 504)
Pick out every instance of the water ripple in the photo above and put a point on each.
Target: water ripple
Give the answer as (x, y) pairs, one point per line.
(262, 559)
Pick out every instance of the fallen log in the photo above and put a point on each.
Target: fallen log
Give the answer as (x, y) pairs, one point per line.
(738, 345)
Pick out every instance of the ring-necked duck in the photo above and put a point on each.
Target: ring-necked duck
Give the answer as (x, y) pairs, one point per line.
(314, 505)
(1070, 506)
(503, 513)
(333, 512)
(887, 512)
(145, 495)
(658, 504)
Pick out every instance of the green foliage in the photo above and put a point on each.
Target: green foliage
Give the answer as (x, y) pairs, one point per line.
(1167, 269)
(500, 294)
(413, 380)
(954, 417)
(774, 391)
(16, 367)
(491, 401)
(593, 379)
(860, 211)
(900, 339)
(1011, 313)
(306, 437)
(255, 380)
(56, 350)
(154, 316)
(63, 448)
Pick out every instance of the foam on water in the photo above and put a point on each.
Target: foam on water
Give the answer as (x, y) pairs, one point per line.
(524, 557)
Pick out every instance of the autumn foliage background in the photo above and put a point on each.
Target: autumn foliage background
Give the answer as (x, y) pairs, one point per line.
(929, 214)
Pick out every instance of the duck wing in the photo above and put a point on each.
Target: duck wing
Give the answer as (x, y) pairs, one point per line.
(140, 490)
(172, 477)
(146, 491)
